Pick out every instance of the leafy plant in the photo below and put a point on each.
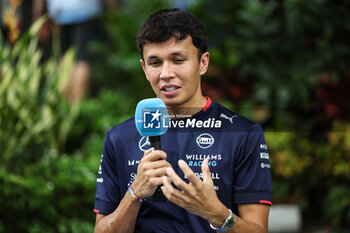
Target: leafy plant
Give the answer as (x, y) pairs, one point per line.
(97, 116)
(337, 206)
(33, 115)
(54, 195)
(312, 173)
(34, 120)
(279, 48)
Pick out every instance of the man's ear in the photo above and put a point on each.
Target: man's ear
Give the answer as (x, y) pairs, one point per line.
(144, 68)
(204, 63)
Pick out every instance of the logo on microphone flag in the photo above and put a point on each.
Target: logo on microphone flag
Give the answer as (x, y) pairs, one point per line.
(155, 119)
(151, 117)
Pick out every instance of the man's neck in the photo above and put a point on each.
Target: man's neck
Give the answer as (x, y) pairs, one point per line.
(176, 112)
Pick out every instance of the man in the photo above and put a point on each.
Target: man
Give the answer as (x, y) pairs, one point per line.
(215, 173)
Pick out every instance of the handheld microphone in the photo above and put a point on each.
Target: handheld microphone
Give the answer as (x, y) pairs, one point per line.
(152, 120)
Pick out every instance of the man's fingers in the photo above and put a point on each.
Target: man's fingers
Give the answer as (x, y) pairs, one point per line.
(152, 155)
(195, 181)
(206, 172)
(178, 182)
(171, 193)
(156, 164)
(188, 189)
(148, 151)
(157, 172)
(156, 181)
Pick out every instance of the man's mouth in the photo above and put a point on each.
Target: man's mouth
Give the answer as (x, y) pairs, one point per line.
(169, 89)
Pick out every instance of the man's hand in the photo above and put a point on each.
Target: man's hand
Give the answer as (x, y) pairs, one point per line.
(198, 197)
(150, 171)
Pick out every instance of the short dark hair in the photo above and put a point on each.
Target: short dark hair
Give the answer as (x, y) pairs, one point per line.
(172, 23)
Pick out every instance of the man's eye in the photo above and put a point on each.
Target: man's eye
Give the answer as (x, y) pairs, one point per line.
(179, 61)
(154, 63)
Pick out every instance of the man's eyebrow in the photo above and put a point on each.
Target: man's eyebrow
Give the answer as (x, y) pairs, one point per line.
(179, 53)
(176, 53)
(151, 57)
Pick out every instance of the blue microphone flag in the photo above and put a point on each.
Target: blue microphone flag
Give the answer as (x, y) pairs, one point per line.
(151, 117)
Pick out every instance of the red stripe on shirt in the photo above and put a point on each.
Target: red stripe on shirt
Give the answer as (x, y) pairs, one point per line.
(96, 211)
(207, 105)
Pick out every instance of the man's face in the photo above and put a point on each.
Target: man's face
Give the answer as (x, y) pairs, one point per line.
(174, 71)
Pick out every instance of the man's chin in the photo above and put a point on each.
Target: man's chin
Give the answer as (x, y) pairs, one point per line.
(172, 103)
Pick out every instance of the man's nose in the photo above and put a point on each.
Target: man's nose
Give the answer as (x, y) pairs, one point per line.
(167, 71)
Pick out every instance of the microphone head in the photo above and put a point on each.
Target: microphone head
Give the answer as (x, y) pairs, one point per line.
(151, 117)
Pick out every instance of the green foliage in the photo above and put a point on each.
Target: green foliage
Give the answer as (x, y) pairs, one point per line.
(97, 116)
(337, 206)
(36, 184)
(54, 195)
(279, 47)
(303, 169)
(33, 116)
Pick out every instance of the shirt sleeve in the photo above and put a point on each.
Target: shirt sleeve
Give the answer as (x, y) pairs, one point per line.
(252, 169)
(107, 189)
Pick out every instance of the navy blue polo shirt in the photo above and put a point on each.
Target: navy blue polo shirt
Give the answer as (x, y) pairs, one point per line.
(238, 161)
